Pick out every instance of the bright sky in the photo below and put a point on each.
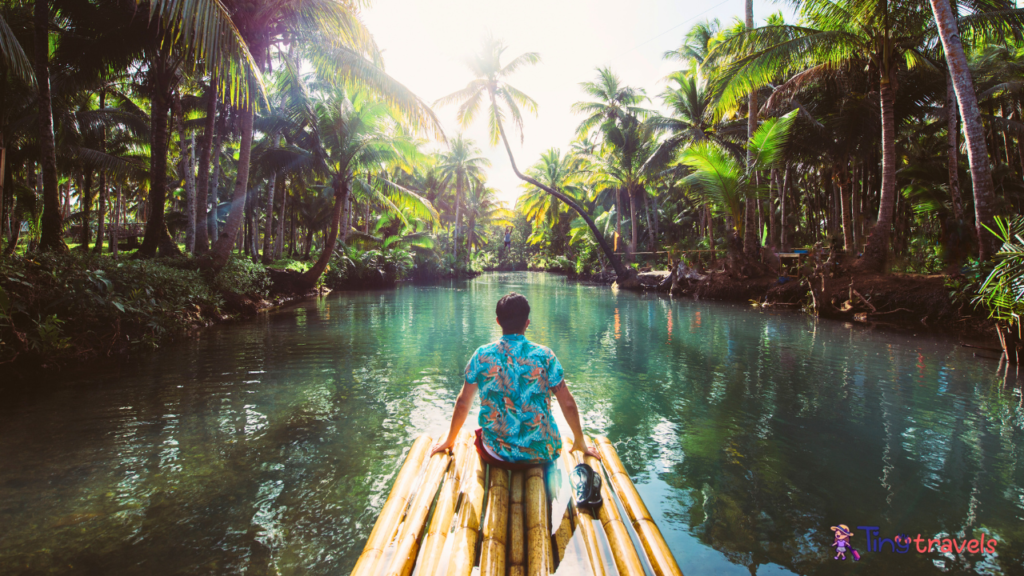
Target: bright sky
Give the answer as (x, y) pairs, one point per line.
(426, 44)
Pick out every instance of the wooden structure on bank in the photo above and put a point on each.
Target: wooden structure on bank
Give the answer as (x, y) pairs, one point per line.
(449, 513)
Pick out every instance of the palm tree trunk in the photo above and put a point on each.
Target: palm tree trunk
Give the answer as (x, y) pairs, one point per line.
(157, 236)
(203, 178)
(212, 222)
(186, 166)
(281, 196)
(974, 133)
(222, 248)
(311, 276)
(115, 223)
(51, 238)
(620, 271)
(458, 206)
(268, 225)
(877, 249)
(845, 187)
(632, 221)
(4, 212)
(783, 224)
(650, 228)
(85, 196)
(953, 150)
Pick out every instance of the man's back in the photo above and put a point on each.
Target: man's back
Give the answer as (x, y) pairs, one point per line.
(515, 378)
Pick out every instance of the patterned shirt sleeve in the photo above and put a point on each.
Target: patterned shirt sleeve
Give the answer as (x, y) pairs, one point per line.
(556, 377)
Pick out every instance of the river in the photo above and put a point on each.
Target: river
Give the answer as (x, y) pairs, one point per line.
(268, 446)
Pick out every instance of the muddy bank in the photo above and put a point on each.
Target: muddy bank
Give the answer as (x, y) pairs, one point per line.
(907, 301)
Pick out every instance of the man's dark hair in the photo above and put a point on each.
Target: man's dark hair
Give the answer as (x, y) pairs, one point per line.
(513, 311)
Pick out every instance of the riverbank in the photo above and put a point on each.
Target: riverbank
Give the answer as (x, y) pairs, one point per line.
(915, 302)
(57, 310)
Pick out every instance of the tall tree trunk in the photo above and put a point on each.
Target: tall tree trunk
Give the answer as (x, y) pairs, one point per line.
(877, 249)
(281, 195)
(750, 248)
(102, 193)
(845, 190)
(268, 225)
(711, 234)
(953, 150)
(186, 168)
(4, 212)
(458, 214)
(650, 227)
(620, 271)
(85, 194)
(221, 251)
(311, 276)
(51, 238)
(346, 223)
(157, 236)
(773, 194)
(618, 217)
(116, 224)
(974, 133)
(633, 232)
(783, 222)
(203, 178)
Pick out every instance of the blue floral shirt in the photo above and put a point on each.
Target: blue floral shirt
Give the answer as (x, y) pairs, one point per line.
(516, 378)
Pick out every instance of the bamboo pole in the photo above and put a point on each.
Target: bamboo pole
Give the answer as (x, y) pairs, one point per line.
(467, 530)
(494, 534)
(584, 519)
(441, 522)
(516, 542)
(661, 558)
(409, 538)
(390, 515)
(626, 559)
(538, 537)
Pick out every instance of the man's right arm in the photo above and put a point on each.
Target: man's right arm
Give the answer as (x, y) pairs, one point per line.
(572, 416)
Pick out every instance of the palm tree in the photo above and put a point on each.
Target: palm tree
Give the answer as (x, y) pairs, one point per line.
(341, 49)
(53, 221)
(350, 143)
(723, 179)
(490, 84)
(836, 36)
(613, 103)
(974, 132)
(559, 172)
(460, 166)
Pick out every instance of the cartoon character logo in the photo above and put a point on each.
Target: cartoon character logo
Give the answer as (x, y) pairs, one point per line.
(842, 543)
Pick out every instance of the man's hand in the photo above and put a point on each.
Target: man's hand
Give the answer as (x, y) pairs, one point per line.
(581, 446)
(441, 446)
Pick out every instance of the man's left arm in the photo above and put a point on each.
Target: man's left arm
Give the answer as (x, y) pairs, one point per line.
(462, 405)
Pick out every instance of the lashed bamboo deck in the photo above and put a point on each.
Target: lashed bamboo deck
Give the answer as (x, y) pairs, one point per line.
(442, 507)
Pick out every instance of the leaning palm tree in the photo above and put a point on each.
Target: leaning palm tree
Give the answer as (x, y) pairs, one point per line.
(461, 165)
(505, 100)
(974, 131)
(556, 171)
(835, 35)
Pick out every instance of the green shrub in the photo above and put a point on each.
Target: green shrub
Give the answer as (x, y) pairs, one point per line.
(243, 276)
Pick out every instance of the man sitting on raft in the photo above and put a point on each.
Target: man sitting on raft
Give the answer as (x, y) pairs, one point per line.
(515, 377)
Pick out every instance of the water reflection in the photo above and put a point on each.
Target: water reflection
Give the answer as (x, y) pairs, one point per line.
(269, 446)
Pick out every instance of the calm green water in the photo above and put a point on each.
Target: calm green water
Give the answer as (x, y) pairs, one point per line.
(267, 447)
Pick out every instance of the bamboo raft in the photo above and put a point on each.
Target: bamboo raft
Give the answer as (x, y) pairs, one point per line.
(449, 513)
